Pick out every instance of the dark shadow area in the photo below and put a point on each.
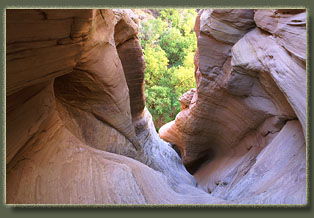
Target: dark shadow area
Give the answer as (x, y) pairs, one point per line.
(206, 156)
(176, 148)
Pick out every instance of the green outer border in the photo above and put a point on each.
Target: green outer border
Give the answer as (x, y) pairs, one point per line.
(291, 209)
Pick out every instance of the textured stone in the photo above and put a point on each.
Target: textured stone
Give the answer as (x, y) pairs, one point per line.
(35, 40)
(131, 56)
(78, 131)
(289, 75)
(73, 118)
(127, 27)
(250, 84)
(224, 103)
(288, 27)
(271, 179)
(186, 98)
(226, 25)
(24, 119)
(59, 169)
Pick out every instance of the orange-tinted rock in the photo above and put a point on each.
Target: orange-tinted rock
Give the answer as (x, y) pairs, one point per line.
(287, 27)
(59, 169)
(131, 56)
(169, 133)
(226, 25)
(76, 111)
(60, 123)
(24, 120)
(285, 58)
(247, 89)
(97, 88)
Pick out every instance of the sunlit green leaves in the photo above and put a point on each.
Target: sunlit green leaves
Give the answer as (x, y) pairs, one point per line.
(151, 31)
(156, 64)
(175, 45)
(169, 44)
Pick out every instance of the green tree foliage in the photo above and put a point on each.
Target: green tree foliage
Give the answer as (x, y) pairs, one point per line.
(169, 44)
(156, 64)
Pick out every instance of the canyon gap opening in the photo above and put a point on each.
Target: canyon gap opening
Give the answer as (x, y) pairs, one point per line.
(169, 44)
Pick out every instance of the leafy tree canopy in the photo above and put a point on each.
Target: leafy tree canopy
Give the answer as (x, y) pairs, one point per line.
(169, 45)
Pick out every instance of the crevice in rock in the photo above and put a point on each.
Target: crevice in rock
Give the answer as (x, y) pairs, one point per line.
(85, 135)
(195, 165)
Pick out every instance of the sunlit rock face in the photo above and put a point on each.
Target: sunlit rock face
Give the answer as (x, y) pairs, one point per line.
(76, 114)
(78, 131)
(245, 123)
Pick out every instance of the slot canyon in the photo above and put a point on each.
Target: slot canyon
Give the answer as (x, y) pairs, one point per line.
(78, 130)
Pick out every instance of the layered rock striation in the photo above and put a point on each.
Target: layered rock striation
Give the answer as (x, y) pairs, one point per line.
(245, 123)
(76, 114)
(78, 131)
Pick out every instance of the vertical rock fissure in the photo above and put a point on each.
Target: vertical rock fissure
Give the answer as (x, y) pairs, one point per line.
(79, 131)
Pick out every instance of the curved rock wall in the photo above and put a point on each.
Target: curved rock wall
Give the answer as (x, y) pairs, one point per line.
(78, 130)
(73, 96)
(250, 99)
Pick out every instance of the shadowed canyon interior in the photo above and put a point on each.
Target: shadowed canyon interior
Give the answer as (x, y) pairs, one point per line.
(78, 131)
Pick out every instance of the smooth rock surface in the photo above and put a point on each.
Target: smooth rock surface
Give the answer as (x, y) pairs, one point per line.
(59, 154)
(78, 131)
(251, 82)
(59, 169)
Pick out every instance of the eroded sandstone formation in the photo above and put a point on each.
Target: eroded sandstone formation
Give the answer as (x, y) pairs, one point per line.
(243, 132)
(76, 114)
(78, 131)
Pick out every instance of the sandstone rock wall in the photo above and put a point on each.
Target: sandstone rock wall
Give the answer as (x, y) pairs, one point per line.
(75, 93)
(251, 91)
(78, 130)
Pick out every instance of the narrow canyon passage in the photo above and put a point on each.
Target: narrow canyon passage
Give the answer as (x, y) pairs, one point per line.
(79, 130)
